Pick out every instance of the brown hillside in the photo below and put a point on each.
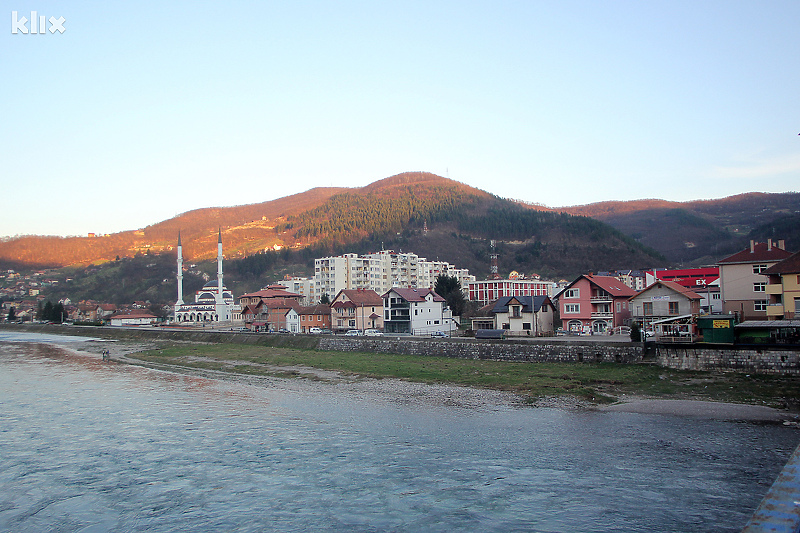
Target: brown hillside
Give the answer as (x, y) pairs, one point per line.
(601, 210)
(246, 229)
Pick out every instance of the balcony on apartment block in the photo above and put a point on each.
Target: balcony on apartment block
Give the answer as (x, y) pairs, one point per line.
(774, 288)
(775, 310)
(601, 298)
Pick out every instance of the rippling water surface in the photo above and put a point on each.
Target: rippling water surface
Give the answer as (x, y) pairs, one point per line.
(92, 446)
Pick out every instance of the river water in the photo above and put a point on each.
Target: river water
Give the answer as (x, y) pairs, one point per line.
(92, 446)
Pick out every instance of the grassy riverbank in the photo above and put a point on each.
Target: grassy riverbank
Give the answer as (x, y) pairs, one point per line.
(597, 383)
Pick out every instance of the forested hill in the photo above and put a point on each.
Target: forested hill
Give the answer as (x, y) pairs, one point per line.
(702, 231)
(392, 213)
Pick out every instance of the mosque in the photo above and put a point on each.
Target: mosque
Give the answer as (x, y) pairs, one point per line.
(212, 303)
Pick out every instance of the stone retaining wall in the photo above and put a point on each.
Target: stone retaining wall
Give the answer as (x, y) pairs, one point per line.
(506, 350)
(762, 360)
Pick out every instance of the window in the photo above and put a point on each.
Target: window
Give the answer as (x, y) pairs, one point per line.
(715, 296)
(572, 308)
(647, 308)
(760, 286)
(572, 293)
(516, 311)
(619, 307)
(760, 305)
(673, 308)
(526, 326)
(758, 269)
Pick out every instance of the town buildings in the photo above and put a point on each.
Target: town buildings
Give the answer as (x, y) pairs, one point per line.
(416, 311)
(783, 289)
(524, 315)
(743, 282)
(302, 286)
(356, 309)
(489, 290)
(271, 309)
(666, 307)
(135, 317)
(635, 279)
(703, 280)
(380, 272)
(315, 316)
(594, 304)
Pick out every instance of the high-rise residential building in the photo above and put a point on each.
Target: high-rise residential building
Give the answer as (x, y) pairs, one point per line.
(380, 272)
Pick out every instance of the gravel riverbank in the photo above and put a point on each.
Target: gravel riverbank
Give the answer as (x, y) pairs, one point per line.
(398, 390)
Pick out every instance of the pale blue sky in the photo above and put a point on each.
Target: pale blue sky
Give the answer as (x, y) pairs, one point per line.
(141, 111)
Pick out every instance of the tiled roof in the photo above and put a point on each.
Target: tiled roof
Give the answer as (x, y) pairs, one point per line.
(790, 265)
(281, 303)
(271, 293)
(761, 252)
(677, 287)
(528, 302)
(361, 296)
(612, 286)
(321, 309)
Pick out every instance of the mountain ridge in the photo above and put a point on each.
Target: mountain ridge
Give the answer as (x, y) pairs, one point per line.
(329, 217)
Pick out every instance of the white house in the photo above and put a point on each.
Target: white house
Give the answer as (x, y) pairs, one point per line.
(293, 321)
(134, 318)
(416, 311)
(524, 315)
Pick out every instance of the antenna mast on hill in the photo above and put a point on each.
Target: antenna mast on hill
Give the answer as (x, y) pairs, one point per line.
(493, 256)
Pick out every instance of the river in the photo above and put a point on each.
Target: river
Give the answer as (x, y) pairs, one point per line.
(92, 446)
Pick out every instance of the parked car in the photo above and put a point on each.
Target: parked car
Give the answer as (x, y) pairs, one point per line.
(373, 333)
(440, 334)
(240, 328)
(353, 333)
(315, 331)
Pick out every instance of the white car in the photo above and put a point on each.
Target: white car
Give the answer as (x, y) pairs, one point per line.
(353, 333)
(315, 331)
(373, 333)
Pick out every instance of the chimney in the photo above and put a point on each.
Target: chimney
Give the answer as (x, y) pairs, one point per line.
(782, 244)
(769, 245)
(752, 246)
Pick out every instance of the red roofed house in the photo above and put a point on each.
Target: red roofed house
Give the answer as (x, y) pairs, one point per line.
(743, 282)
(316, 316)
(783, 289)
(268, 308)
(594, 304)
(416, 311)
(356, 309)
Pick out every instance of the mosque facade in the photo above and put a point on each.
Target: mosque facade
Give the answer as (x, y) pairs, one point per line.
(213, 303)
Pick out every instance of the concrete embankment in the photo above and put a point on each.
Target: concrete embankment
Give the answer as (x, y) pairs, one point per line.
(779, 511)
(533, 350)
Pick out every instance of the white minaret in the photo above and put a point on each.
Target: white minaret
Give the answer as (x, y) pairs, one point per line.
(180, 273)
(219, 269)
